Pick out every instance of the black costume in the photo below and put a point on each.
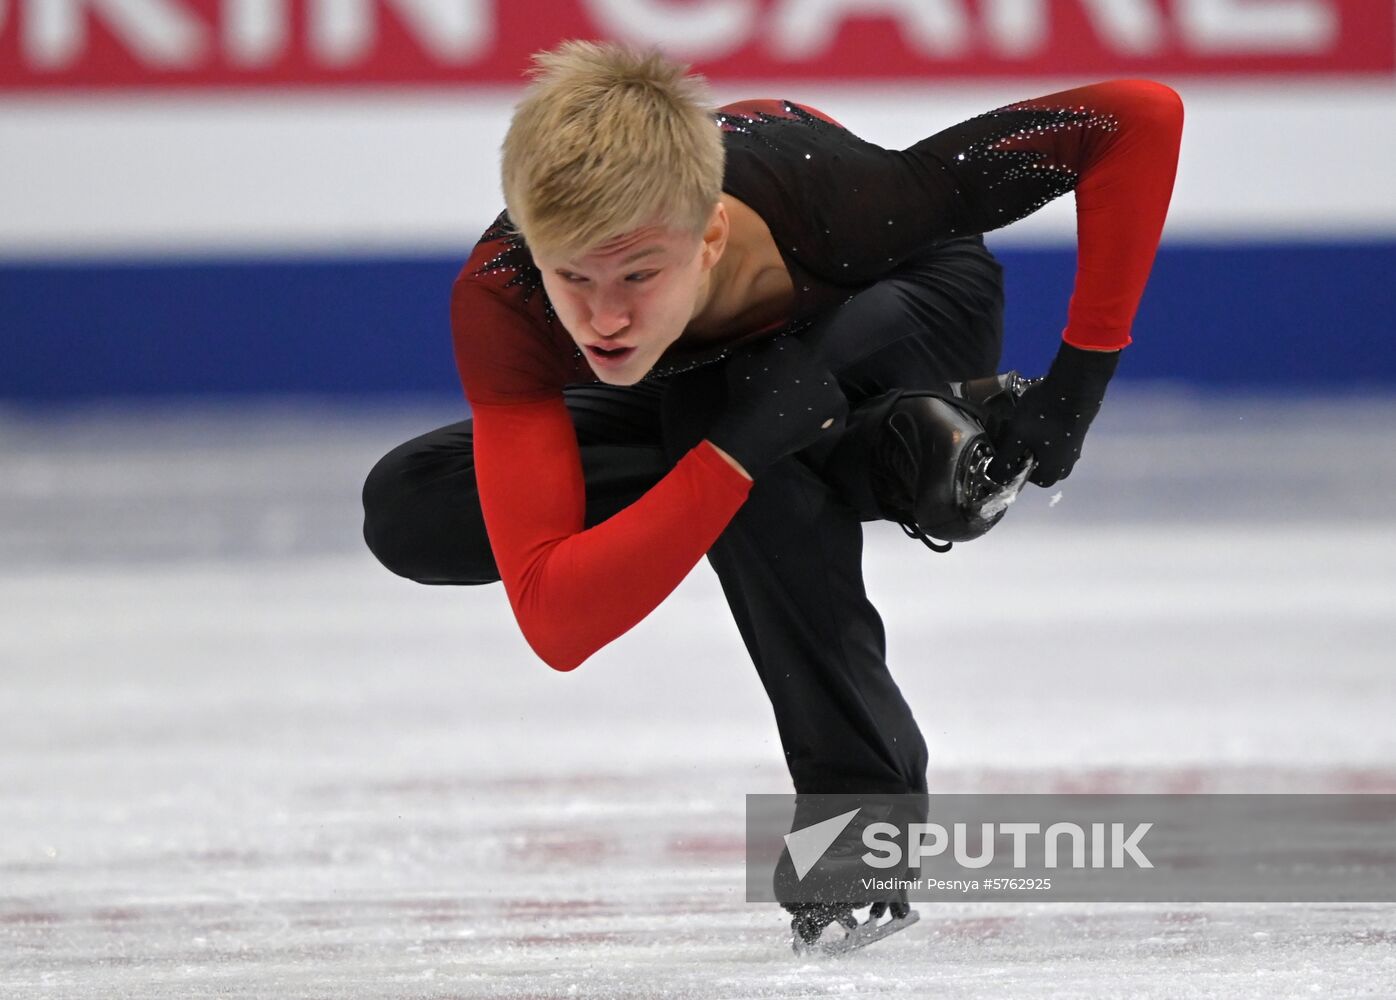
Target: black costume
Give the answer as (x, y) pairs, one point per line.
(894, 289)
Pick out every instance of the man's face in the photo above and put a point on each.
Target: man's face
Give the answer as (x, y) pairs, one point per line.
(628, 300)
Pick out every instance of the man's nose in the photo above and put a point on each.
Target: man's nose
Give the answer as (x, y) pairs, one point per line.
(609, 315)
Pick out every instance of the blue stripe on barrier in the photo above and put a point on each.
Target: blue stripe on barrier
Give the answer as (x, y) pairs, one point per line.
(1317, 315)
(1261, 315)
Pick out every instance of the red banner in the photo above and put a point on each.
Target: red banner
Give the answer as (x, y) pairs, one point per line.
(66, 44)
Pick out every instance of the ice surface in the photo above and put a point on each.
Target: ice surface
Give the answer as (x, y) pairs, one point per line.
(238, 759)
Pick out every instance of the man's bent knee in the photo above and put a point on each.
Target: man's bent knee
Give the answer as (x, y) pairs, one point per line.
(425, 528)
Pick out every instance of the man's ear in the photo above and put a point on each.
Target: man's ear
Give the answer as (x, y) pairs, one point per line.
(715, 233)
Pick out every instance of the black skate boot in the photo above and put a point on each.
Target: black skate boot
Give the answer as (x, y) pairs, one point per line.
(929, 465)
(830, 890)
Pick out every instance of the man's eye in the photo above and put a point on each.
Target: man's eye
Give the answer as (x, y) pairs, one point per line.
(575, 279)
(641, 276)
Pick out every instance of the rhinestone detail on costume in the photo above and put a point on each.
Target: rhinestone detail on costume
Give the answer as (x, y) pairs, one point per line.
(758, 123)
(1005, 166)
(515, 260)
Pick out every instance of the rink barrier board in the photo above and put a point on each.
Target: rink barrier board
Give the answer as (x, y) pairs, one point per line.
(1267, 316)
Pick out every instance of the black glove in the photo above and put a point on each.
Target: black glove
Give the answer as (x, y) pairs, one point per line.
(1052, 416)
(780, 399)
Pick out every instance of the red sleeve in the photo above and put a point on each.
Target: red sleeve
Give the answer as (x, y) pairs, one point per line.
(504, 354)
(574, 590)
(1125, 169)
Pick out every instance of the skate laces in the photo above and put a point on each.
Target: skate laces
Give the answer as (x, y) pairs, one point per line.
(893, 478)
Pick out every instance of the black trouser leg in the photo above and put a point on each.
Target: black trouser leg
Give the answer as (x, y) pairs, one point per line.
(790, 562)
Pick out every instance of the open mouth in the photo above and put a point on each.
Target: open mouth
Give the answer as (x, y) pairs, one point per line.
(609, 353)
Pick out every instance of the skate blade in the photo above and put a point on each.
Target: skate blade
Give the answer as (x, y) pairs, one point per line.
(860, 937)
(991, 499)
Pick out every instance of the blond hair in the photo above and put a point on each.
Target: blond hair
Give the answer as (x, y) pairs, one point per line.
(607, 140)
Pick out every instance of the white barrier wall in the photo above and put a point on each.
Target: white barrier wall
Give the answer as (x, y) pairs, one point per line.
(269, 173)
